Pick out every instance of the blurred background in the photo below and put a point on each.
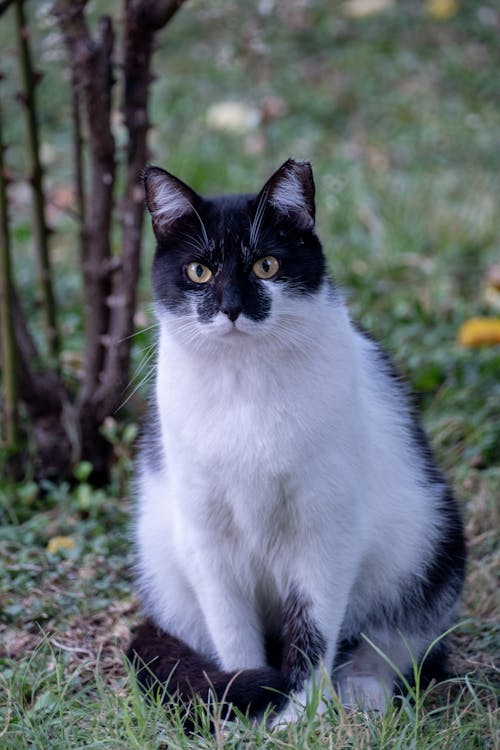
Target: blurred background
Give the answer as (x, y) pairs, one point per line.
(396, 103)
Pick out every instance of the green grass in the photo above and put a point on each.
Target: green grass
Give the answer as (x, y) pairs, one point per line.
(400, 116)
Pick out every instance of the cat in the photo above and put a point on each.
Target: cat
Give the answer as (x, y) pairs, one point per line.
(291, 521)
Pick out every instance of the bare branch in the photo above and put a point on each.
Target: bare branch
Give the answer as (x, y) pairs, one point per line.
(36, 178)
(8, 343)
(79, 176)
(46, 401)
(4, 5)
(142, 20)
(154, 16)
(91, 61)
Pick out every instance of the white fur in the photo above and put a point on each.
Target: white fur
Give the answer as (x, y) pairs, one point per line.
(168, 201)
(288, 193)
(287, 462)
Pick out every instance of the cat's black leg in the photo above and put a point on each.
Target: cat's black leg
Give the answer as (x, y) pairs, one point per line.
(304, 646)
(306, 652)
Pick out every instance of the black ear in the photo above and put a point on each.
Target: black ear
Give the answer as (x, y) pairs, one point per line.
(291, 191)
(167, 198)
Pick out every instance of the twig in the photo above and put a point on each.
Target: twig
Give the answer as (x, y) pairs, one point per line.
(71, 649)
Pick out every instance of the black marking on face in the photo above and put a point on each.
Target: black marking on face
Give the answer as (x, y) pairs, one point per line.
(298, 251)
(303, 643)
(228, 235)
(233, 288)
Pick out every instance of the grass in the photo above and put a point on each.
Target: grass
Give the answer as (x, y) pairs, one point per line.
(400, 116)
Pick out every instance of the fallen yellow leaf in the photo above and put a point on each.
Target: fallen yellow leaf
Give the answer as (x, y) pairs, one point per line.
(478, 331)
(60, 542)
(441, 10)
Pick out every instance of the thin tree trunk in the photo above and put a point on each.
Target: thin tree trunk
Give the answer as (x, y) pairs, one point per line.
(92, 66)
(78, 166)
(142, 20)
(43, 393)
(111, 283)
(40, 228)
(7, 336)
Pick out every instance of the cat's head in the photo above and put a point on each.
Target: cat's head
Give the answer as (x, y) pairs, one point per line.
(238, 266)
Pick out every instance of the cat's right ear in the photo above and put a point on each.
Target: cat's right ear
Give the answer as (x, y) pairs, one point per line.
(291, 190)
(167, 198)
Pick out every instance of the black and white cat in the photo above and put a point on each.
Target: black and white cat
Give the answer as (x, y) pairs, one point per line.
(288, 502)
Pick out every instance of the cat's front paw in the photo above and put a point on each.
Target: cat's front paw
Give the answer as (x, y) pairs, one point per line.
(289, 715)
(364, 693)
(295, 709)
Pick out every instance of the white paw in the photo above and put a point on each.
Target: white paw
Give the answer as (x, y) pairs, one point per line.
(296, 707)
(363, 692)
(291, 713)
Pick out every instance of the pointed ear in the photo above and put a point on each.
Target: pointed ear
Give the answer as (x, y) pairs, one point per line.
(291, 191)
(167, 198)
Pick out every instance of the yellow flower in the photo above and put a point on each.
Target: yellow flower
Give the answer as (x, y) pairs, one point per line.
(60, 542)
(441, 10)
(478, 331)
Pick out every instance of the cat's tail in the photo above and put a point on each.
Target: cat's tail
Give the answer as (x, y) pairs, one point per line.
(167, 666)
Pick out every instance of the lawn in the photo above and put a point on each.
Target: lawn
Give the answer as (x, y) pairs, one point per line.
(399, 113)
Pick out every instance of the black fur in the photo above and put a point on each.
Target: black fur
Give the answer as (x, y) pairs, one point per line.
(168, 667)
(303, 643)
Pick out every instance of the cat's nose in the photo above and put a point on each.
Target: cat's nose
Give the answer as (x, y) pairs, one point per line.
(230, 303)
(232, 311)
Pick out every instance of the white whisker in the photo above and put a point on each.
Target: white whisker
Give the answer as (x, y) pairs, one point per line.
(139, 331)
(204, 231)
(257, 221)
(144, 380)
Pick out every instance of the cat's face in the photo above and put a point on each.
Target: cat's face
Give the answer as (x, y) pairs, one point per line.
(237, 266)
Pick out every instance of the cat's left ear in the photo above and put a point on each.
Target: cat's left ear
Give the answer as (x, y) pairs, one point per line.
(291, 191)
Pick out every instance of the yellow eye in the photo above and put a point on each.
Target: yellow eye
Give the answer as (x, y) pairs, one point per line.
(198, 273)
(266, 268)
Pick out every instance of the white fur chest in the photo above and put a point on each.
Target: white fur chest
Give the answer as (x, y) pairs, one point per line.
(244, 412)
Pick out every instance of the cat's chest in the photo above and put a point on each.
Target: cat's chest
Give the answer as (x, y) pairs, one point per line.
(223, 415)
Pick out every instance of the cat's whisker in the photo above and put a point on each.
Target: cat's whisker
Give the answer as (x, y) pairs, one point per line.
(203, 229)
(193, 241)
(151, 371)
(139, 331)
(150, 353)
(257, 221)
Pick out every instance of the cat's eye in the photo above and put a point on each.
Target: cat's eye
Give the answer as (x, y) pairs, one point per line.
(198, 273)
(266, 268)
